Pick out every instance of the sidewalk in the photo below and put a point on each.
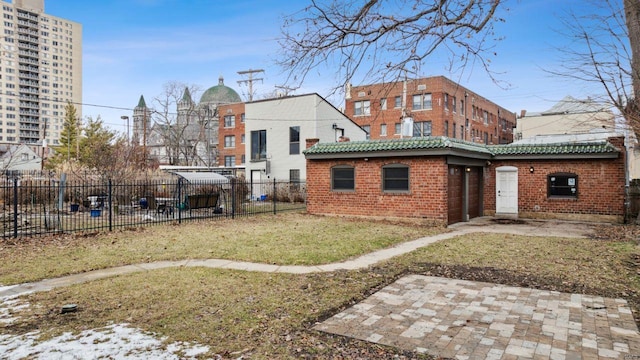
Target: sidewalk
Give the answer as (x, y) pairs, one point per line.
(482, 224)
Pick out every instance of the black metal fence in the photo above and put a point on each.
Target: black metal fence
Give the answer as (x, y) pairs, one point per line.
(40, 205)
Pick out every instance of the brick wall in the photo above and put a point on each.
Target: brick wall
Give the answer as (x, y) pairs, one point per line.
(467, 126)
(427, 198)
(600, 188)
(237, 110)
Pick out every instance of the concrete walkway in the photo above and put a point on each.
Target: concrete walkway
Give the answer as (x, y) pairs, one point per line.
(482, 224)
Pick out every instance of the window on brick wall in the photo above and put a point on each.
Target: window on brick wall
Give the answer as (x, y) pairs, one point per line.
(395, 178)
(343, 178)
(422, 128)
(562, 185)
(421, 102)
(362, 107)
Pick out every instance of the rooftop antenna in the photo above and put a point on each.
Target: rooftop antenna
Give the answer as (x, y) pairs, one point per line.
(250, 80)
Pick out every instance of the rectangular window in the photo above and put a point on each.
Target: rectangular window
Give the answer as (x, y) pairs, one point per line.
(343, 178)
(383, 129)
(259, 145)
(422, 102)
(563, 185)
(421, 129)
(367, 129)
(383, 104)
(446, 128)
(485, 117)
(397, 128)
(230, 161)
(294, 140)
(229, 121)
(230, 141)
(397, 102)
(395, 178)
(242, 159)
(446, 102)
(294, 176)
(453, 104)
(242, 118)
(362, 107)
(242, 139)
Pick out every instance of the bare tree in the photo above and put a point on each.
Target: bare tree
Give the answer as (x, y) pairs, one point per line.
(632, 14)
(604, 50)
(380, 40)
(181, 125)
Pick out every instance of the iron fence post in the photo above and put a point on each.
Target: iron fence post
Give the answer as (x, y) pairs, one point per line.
(233, 198)
(274, 196)
(180, 203)
(110, 202)
(15, 207)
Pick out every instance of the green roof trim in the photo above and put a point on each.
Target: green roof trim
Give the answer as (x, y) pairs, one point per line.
(444, 145)
(586, 148)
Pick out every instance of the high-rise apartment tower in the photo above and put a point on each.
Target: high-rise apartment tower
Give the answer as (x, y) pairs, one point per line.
(40, 72)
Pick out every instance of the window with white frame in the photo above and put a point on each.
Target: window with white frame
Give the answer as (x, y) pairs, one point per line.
(383, 129)
(422, 129)
(229, 121)
(294, 140)
(422, 102)
(362, 108)
(367, 129)
(230, 141)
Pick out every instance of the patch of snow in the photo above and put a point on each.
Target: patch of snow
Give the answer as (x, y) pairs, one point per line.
(118, 341)
(7, 306)
(112, 342)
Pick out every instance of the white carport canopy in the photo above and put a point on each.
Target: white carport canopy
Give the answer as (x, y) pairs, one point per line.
(202, 177)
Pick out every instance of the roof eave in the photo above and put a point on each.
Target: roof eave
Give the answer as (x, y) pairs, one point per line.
(400, 153)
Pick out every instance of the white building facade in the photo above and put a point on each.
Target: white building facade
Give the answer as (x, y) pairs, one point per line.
(276, 130)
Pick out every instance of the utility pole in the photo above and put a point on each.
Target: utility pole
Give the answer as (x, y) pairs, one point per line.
(144, 138)
(250, 80)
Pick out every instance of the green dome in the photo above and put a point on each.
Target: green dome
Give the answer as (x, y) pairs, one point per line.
(220, 94)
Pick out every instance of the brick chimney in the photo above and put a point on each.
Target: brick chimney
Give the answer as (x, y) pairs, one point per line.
(312, 141)
(523, 113)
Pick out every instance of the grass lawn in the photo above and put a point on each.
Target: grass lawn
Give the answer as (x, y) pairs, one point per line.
(268, 316)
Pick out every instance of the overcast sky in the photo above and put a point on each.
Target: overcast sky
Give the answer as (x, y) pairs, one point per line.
(135, 47)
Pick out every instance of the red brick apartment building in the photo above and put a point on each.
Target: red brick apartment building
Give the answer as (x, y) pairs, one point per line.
(438, 107)
(231, 136)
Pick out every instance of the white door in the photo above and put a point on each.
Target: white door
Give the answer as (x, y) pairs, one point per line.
(507, 190)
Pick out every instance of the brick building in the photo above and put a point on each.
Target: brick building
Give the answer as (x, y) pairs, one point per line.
(437, 107)
(231, 137)
(445, 180)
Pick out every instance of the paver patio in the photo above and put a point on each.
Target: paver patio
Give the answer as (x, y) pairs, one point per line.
(474, 320)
